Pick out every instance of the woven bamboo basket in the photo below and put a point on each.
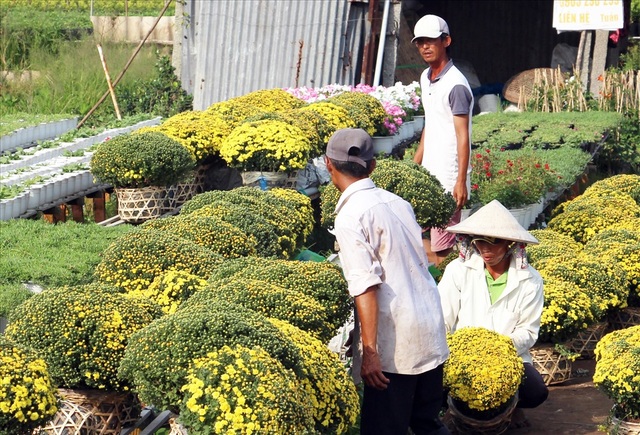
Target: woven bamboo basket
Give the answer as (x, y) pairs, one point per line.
(466, 425)
(264, 180)
(109, 411)
(520, 87)
(585, 341)
(554, 367)
(200, 177)
(624, 318)
(141, 204)
(180, 193)
(71, 419)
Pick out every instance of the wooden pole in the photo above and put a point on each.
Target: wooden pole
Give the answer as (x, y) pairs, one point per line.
(133, 56)
(106, 74)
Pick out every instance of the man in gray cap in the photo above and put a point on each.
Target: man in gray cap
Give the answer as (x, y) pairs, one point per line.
(445, 144)
(399, 336)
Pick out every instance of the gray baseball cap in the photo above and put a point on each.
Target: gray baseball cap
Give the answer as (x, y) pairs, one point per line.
(350, 145)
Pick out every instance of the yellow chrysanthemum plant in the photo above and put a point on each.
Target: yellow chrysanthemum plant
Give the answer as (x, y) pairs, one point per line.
(267, 146)
(158, 357)
(280, 220)
(200, 132)
(27, 394)
(567, 309)
(483, 372)
(270, 100)
(620, 245)
(553, 245)
(624, 183)
(432, 205)
(81, 332)
(210, 232)
(336, 117)
(141, 160)
(243, 390)
(365, 110)
(134, 260)
(336, 404)
(585, 216)
(323, 281)
(617, 371)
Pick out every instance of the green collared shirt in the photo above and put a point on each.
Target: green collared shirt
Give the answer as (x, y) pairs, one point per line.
(497, 286)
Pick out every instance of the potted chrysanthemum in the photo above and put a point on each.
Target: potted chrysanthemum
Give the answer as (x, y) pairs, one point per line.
(482, 376)
(616, 373)
(140, 167)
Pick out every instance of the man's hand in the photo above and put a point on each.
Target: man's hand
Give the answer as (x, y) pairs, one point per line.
(460, 194)
(371, 371)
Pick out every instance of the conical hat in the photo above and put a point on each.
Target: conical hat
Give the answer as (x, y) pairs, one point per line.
(494, 220)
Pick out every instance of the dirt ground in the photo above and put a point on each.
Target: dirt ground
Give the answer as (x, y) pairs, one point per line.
(574, 407)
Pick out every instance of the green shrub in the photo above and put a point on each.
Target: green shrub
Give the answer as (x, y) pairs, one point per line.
(27, 397)
(23, 30)
(323, 281)
(272, 300)
(336, 117)
(81, 332)
(210, 232)
(431, 204)
(158, 357)
(140, 160)
(133, 261)
(99, 7)
(53, 255)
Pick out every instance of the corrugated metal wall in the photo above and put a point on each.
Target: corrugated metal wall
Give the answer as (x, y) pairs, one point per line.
(230, 47)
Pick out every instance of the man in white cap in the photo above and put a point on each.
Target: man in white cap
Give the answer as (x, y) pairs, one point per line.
(445, 144)
(491, 285)
(399, 336)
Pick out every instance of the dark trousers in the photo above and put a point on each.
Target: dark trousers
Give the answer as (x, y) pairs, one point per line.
(409, 401)
(533, 390)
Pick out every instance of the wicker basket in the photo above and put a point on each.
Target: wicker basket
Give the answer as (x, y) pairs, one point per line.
(264, 180)
(200, 177)
(180, 193)
(71, 419)
(93, 412)
(466, 425)
(519, 87)
(554, 367)
(141, 204)
(585, 341)
(624, 318)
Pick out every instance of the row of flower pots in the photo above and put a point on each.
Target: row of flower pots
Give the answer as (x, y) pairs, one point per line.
(41, 195)
(44, 155)
(407, 131)
(30, 136)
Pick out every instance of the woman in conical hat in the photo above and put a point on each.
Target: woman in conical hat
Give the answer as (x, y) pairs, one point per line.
(491, 285)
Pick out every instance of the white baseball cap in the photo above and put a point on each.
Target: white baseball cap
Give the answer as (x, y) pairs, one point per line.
(430, 26)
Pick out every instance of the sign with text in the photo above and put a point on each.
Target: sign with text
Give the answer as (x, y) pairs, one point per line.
(588, 15)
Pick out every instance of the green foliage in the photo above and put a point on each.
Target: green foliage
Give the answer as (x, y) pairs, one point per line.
(23, 30)
(134, 260)
(141, 160)
(12, 295)
(81, 332)
(272, 300)
(431, 204)
(157, 357)
(161, 95)
(100, 7)
(15, 121)
(323, 281)
(52, 255)
(27, 397)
